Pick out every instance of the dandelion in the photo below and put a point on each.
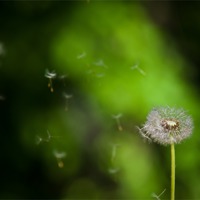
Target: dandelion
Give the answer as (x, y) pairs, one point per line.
(168, 126)
(50, 76)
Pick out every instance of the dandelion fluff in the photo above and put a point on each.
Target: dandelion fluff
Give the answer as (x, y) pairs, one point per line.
(167, 125)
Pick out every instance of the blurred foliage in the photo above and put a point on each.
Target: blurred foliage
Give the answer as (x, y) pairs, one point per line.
(112, 65)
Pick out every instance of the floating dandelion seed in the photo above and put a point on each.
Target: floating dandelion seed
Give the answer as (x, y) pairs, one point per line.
(114, 151)
(100, 63)
(158, 196)
(38, 140)
(113, 170)
(50, 76)
(139, 69)
(59, 155)
(167, 125)
(49, 136)
(117, 118)
(82, 55)
(67, 97)
(47, 139)
(63, 78)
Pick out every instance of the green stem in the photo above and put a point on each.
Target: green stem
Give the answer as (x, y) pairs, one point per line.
(172, 172)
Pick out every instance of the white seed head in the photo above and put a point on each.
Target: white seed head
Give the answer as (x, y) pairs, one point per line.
(167, 125)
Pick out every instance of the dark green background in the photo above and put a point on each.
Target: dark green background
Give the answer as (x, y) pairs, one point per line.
(117, 60)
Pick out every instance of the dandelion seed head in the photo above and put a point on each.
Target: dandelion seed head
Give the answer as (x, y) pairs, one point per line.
(167, 125)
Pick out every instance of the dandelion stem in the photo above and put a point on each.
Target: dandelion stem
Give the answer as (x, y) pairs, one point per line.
(172, 171)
